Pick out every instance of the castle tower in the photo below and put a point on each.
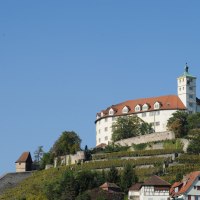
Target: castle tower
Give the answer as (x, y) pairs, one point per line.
(187, 90)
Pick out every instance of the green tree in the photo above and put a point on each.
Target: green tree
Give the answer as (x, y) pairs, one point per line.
(194, 121)
(38, 154)
(194, 146)
(128, 177)
(113, 176)
(178, 123)
(86, 180)
(87, 153)
(129, 126)
(68, 143)
(46, 159)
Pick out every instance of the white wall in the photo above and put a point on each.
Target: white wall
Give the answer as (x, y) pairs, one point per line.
(157, 117)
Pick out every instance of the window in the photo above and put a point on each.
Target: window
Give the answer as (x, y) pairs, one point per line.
(156, 105)
(145, 107)
(144, 114)
(137, 108)
(179, 89)
(198, 187)
(191, 104)
(191, 96)
(113, 119)
(157, 113)
(106, 138)
(99, 140)
(106, 119)
(99, 131)
(106, 129)
(151, 114)
(125, 110)
(111, 112)
(183, 88)
(190, 88)
(157, 123)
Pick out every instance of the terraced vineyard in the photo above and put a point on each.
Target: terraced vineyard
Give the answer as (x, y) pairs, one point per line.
(145, 163)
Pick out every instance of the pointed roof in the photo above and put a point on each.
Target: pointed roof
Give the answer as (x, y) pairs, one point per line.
(186, 72)
(168, 102)
(25, 157)
(156, 181)
(187, 181)
(136, 187)
(109, 185)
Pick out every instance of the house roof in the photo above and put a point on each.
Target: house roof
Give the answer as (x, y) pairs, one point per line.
(102, 145)
(155, 181)
(187, 181)
(26, 156)
(109, 185)
(169, 102)
(136, 187)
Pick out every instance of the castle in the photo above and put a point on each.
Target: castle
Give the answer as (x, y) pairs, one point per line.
(155, 110)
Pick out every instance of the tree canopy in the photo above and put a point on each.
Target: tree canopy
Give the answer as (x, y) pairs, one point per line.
(129, 126)
(68, 143)
(178, 123)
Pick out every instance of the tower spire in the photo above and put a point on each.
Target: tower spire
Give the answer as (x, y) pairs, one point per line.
(186, 68)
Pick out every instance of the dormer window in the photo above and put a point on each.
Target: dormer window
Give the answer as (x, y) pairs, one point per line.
(157, 105)
(102, 114)
(111, 112)
(145, 107)
(137, 108)
(97, 117)
(125, 110)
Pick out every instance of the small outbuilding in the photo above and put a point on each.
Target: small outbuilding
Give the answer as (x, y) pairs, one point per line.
(24, 162)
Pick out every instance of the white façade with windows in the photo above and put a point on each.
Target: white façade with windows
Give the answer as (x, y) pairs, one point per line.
(155, 110)
(187, 90)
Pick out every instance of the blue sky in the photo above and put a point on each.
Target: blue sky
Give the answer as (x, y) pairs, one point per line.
(61, 62)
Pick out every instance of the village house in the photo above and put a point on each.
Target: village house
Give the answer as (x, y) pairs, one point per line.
(154, 188)
(188, 188)
(24, 162)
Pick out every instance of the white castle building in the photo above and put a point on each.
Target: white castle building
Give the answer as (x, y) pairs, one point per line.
(155, 110)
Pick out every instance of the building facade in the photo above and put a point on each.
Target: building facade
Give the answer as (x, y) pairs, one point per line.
(188, 188)
(154, 188)
(155, 110)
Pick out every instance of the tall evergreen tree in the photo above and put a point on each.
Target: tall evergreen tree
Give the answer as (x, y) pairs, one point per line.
(113, 176)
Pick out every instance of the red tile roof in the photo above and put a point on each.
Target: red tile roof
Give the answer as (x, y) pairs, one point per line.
(169, 102)
(156, 181)
(26, 156)
(108, 185)
(136, 187)
(187, 182)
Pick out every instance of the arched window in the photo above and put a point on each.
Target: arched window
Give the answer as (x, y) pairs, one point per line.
(125, 110)
(111, 112)
(156, 105)
(137, 108)
(145, 107)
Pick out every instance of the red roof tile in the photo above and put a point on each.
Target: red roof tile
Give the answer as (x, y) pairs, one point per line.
(26, 156)
(188, 180)
(156, 181)
(169, 102)
(136, 187)
(109, 185)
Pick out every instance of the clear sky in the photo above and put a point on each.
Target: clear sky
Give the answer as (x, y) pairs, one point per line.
(63, 61)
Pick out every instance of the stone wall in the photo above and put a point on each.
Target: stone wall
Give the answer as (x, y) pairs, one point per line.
(70, 159)
(153, 137)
